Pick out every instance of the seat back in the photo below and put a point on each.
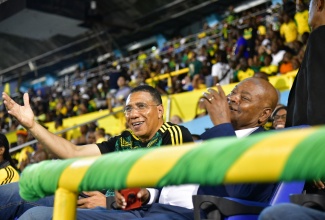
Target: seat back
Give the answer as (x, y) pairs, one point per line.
(284, 190)
(239, 209)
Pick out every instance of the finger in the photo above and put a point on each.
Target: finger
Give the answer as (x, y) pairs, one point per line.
(121, 204)
(120, 200)
(81, 201)
(319, 184)
(6, 98)
(209, 97)
(204, 102)
(212, 92)
(26, 99)
(91, 193)
(141, 193)
(220, 90)
(83, 206)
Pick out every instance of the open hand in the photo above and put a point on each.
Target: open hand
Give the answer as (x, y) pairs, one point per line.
(23, 114)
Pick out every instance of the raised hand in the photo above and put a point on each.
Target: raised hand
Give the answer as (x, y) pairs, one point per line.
(23, 114)
(216, 104)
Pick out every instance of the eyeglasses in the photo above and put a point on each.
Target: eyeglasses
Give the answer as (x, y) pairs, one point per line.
(277, 117)
(140, 107)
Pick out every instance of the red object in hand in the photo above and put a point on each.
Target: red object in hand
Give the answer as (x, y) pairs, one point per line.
(130, 196)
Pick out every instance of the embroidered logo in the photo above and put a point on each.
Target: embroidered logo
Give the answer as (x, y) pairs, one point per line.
(125, 143)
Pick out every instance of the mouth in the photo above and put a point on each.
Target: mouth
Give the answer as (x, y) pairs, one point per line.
(232, 108)
(137, 124)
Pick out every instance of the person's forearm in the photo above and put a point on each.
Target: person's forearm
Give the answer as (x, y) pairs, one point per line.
(58, 145)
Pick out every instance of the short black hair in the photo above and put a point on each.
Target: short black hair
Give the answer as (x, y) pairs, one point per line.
(278, 109)
(6, 156)
(152, 91)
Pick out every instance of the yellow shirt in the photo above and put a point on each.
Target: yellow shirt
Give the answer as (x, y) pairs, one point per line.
(289, 31)
(22, 155)
(245, 74)
(301, 19)
(8, 175)
(269, 70)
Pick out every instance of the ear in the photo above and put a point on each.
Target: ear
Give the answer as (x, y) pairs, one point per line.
(266, 113)
(160, 109)
(320, 5)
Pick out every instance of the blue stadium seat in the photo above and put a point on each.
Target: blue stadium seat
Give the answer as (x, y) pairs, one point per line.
(237, 209)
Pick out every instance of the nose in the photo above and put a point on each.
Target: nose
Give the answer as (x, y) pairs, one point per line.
(280, 119)
(233, 98)
(134, 113)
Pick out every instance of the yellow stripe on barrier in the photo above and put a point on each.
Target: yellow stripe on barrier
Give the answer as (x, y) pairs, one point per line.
(77, 169)
(278, 149)
(148, 166)
(66, 195)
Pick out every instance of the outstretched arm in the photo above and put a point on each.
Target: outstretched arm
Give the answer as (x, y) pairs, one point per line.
(58, 145)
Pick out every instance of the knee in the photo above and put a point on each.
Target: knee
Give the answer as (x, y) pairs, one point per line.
(275, 212)
(36, 213)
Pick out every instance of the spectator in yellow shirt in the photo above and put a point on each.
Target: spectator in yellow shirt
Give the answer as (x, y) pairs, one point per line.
(301, 18)
(268, 68)
(244, 71)
(22, 138)
(8, 170)
(288, 30)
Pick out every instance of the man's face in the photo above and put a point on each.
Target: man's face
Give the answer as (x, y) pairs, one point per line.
(143, 115)
(246, 105)
(279, 120)
(121, 81)
(91, 138)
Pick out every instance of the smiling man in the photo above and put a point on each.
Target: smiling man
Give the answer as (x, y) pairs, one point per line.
(243, 112)
(144, 115)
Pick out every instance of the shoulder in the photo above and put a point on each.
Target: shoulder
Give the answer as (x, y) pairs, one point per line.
(177, 133)
(320, 31)
(168, 126)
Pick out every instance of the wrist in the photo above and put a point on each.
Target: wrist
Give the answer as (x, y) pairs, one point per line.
(145, 202)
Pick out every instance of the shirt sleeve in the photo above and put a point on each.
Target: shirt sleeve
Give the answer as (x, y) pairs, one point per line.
(107, 146)
(177, 135)
(222, 130)
(315, 78)
(153, 195)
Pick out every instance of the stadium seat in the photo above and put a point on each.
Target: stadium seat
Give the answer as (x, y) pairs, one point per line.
(237, 209)
(314, 201)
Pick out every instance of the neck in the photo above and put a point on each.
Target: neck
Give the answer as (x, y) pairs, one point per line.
(146, 139)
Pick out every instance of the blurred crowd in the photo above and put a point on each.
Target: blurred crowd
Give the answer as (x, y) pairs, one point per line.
(256, 41)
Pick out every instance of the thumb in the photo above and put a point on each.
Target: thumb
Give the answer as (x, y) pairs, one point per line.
(139, 194)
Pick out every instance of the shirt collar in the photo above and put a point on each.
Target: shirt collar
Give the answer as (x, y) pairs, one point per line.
(245, 132)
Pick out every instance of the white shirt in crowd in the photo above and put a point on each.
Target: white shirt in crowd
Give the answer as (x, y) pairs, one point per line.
(219, 70)
(278, 57)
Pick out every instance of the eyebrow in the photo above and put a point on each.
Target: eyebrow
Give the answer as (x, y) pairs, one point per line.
(246, 93)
